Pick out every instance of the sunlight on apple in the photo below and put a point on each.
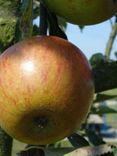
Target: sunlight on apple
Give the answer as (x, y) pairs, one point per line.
(28, 66)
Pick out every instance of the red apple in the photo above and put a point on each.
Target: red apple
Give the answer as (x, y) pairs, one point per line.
(46, 89)
(83, 12)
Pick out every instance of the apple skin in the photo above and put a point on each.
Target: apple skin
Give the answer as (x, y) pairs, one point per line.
(46, 89)
(83, 12)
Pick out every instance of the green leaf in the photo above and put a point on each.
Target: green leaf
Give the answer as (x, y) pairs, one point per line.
(78, 141)
(32, 152)
(103, 109)
(97, 60)
(94, 138)
(62, 23)
(81, 27)
(110, 92)
(116, 54)
(35, 30)
(103, 97)
(85, 151)
(38, 151)
(58, 151)
(36, 8)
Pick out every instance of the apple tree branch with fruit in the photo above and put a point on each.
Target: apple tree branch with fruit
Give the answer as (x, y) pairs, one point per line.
(48, 88)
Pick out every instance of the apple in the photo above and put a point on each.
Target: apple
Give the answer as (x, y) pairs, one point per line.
(46, 89)
(83, 12)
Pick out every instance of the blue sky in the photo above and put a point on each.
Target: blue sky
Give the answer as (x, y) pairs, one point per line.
(93, 39)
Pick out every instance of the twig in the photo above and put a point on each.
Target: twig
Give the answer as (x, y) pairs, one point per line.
(111, 40)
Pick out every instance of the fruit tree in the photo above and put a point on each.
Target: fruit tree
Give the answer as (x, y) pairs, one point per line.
(48, 88)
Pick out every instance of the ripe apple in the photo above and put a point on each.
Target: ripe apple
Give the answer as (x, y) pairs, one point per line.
(46, 89)
(83, 12)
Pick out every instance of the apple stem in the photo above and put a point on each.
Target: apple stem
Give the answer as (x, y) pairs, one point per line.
(49, 20)
(54, 28)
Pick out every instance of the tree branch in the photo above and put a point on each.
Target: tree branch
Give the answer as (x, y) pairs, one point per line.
(111, 39)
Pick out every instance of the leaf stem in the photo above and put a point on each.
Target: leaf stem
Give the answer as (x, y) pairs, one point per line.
(43, 20)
